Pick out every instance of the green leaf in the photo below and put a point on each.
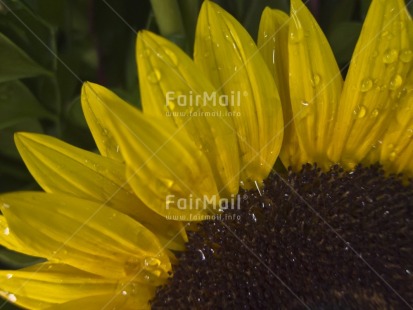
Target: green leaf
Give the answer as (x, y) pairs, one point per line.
(15, 63)
(17, 104)
(29, 32)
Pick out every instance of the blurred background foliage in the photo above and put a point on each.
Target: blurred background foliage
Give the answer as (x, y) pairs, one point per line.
(49, 47)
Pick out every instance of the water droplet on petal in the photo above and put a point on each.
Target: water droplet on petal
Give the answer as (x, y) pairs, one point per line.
(171, 105)
(172, 56)
(396, 82)
(375, 113)
(401, 93)
(6, 205)
(305, 103)
(390, 55)
(315, 80)
(409, 132)
(296, 35)
(154, 76)
(406, 55)
(6, 231)
(366, 85)
(132, 263)
(392, 156)
(152, 262)
(360, 111)
(11, 298)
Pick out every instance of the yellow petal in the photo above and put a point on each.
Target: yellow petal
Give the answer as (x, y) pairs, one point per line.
(61, 168)
(374, 83)
(315, 84)
(47, 284)
(101, 134)
(397, 147)
(175, 89)
(229, 57)
(273, 45)
(164, 167)
(84, 234)
(119, 301)
(10, 241)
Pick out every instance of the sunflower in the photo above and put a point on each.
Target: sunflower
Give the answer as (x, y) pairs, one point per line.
(115, 230)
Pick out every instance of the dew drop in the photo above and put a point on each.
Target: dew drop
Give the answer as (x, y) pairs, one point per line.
(124, 293)
(375, 113)
(360, 111)
(6, 231)
(154, 76)
(396, 82)
(171, 105)
(392, 156)
(172, 56)
(406, 55)
(409, 132)
(11, 298)
(401, 93)
(6, 205)
(366, 85)
(9, 275)
(168, 182)
(401, 25)
(152, 262)
(390, 55)
(132, 263)
(315, 80)
(296, 35)
(305, 103)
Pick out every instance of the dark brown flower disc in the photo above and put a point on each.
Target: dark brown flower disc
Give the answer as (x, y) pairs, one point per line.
(312, 239)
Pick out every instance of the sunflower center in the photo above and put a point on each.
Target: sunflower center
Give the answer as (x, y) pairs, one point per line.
(308, 240)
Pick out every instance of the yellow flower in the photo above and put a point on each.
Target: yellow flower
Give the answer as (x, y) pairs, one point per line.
(367, 119)
(108, 224)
